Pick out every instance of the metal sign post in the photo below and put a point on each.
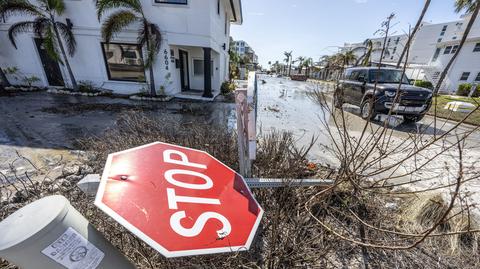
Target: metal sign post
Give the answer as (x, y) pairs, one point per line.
(50, 234)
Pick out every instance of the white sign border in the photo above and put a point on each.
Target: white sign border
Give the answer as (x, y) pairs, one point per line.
(165, 252)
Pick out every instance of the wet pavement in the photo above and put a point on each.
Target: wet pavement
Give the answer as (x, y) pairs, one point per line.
(288, 106)
(43, 126)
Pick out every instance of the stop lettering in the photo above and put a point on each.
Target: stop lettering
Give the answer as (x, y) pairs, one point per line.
(180, 201)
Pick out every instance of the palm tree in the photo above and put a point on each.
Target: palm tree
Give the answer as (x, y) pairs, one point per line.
(130, 12)
(369, 48)
(234, 62)
(414, 32)
(470, 6)
(3, 82)
(349, 57)
(288, 60)
(308, 63)
(45, 25)
(300, 61)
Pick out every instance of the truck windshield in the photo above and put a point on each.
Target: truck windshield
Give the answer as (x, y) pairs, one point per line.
(387, 76)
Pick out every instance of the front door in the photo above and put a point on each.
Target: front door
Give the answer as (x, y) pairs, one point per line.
(184, 74)
(50, 66)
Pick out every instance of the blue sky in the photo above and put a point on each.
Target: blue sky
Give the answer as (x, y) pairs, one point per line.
(314, 27)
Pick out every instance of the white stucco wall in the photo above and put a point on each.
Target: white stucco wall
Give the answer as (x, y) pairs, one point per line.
(195, 25)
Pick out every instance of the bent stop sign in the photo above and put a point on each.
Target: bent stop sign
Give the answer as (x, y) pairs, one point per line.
(180, 201)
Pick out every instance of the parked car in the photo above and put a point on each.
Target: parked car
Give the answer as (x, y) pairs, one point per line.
(357, 87)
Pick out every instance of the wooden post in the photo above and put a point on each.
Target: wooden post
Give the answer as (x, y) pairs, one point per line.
(242, 132)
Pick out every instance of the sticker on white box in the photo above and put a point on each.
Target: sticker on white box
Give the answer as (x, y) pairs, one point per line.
(73, 251)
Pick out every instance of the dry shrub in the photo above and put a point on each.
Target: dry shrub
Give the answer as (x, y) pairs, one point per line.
(288, 236)
(423, 211)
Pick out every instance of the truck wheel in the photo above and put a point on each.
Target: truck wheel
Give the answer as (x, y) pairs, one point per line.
(367, 111)
(413, 119)
(337, 100)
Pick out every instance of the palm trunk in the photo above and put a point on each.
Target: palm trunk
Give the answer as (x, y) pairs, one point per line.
(415, 30)
(64, 55)
(289, 67)
(153, 92)
(462, 43)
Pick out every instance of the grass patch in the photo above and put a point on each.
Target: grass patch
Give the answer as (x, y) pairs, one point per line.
(443, 100)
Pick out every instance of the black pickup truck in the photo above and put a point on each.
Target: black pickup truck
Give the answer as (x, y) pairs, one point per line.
(357, 87)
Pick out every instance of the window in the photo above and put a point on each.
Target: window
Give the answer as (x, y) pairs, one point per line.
(226, 23)
(477, 48)
(444, 29)
(465, 76)
(218, 7)
(176, 2)
(439, 40)
(455, 48)
(436, 54)
(124, 62)
(447, 50)
(477, 79)
(198, 67)
(454, 38)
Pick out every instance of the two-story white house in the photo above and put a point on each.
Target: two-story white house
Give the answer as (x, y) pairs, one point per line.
(193, 60)
(431, 50)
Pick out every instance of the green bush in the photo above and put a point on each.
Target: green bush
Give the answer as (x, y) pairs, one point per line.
(464, 89)
(424, 84)
(227, 87)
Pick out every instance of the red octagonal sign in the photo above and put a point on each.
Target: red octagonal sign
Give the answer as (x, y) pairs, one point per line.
(180, 201)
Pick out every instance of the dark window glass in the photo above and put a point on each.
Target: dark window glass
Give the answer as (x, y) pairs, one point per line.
(124, 62)
(465, 76)
(477, 48)
(198, 67)
(447, 50)
(388, 76)
(455, 48)
(437, 53)
(178, 2)
(444, 28)
(218, 7)
(478, 77)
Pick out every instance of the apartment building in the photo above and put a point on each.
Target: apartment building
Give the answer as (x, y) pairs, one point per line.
(431, 50)
(243, 49)
(193, 60)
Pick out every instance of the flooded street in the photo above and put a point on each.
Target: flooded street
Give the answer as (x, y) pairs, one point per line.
(44, 127)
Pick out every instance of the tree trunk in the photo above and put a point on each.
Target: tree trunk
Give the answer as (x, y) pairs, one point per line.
(462, 42)
(415, 30)
(64, 54)
(289, 67)
(153, 92)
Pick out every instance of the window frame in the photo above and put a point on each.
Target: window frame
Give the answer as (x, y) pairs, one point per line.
(463, 74)
(477, 79)
(170, 3)
(448, 50)
(105, 60)
(212, 67)
(455, 49)
(477, 47)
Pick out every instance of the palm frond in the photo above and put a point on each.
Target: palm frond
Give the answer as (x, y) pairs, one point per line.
(57, 5)
(156, 37)
(17, 8)
(49, 42)
(468, 5)
(116, 23)
(18, 28)
(142, 33)
(104, 5)
(67, 36)
(41, 24)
